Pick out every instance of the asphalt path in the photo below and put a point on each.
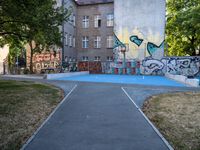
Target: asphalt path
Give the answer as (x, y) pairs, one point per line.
(96, 117)
(100, 116)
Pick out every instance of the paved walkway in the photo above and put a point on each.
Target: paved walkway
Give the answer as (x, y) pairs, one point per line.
(97, 116)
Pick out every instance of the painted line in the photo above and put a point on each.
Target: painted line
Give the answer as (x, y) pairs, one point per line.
(48, 118)
(154, 128)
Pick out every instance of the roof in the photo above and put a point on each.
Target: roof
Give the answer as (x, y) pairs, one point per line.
(91, 2)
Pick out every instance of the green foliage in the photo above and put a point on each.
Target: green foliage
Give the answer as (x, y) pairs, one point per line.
(34, 22)
(183, 27)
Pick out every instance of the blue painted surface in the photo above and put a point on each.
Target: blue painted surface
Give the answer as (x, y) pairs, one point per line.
(198, 77)
(126, 79)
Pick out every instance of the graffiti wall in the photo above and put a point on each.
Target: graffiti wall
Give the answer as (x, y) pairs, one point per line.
(140, 25)
(188, 66)
(46, 60)
(93, 67)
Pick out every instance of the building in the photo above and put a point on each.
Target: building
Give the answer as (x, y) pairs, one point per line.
(3, 55)
(141, 25)
(91, 30)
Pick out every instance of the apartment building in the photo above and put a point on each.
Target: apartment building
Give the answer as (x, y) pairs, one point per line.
(89, 30)
(69, 30)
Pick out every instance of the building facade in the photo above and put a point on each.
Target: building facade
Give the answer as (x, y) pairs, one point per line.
(96, 28)
(69, 31)
(89, 30)
(141, 25)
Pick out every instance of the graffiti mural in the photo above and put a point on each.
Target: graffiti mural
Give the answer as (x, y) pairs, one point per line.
(117, 42)
(83, 66)
(152, 48)
(45, 60)
(137, 23)
(184, 66)
(188, 66)
(95, 67)
(136, 40)
(107, 67)
(153, 66)
(92, 67)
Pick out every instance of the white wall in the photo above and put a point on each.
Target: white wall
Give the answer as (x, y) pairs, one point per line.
(144, 18)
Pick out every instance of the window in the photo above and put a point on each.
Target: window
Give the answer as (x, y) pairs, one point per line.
(97, 21)
(97, 42)
(70, 40)
(85, 22)
(109, 58)
(74, 42)
(66, 39)
(85, 58)
(110, 20)
(110, 42)
(97, 58)
(85, 42)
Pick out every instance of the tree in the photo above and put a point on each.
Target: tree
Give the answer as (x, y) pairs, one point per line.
(183, 27)
(35, 22)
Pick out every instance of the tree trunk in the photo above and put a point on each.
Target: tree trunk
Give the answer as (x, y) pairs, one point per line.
(31, 57)
(192, 41)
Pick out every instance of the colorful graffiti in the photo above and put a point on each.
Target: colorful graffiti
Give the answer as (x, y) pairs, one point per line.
(107, 67)
(136, 40)
(83, 66)
(136, 25)
(92, 67)
(46, 60)
(117, 42)
(153, 66)
(95, 67)
(188, 66)
(152, 48)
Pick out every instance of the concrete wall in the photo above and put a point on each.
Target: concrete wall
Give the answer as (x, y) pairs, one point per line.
(141, 24)
(91, 32)
(187, 66)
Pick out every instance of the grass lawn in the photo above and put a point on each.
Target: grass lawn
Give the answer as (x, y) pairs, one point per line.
(177, 116)
(23, 107)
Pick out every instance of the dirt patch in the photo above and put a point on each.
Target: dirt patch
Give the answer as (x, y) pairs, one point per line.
(23, 108)
(177, 116)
